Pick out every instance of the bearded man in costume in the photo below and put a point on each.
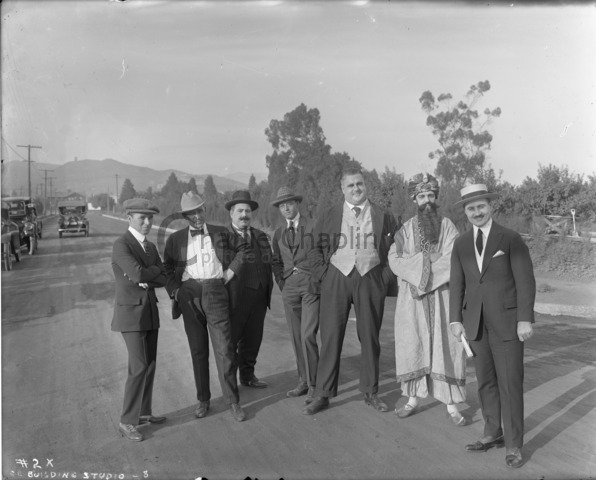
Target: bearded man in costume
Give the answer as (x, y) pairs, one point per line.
(428, 359)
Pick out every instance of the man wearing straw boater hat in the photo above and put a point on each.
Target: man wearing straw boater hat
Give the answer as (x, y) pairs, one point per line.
(200, 260)
(250, 289)
(299, 290)
(492, 293)
(138, 271)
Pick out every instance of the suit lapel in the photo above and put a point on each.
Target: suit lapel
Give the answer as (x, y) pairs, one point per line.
(467, 253)
(492, 243)
(138, 249)
(335, 223)
(377, 221)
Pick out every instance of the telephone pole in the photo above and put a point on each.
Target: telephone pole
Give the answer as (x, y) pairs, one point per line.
(116, 191)
(51, 198)
(29, 147)
(45, 186)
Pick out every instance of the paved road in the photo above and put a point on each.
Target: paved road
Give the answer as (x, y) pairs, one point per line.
(63, 372)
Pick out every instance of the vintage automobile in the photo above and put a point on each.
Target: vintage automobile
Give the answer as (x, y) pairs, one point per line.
(72, 217)
(13, 238)
(22, 211)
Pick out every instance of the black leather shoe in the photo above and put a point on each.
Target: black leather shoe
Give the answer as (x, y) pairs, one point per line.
(481, 446)
(373, 400)
(129, 431)
(309, 396)
(513, 458)
(237, 412)
(318, 404)
(300, 389)
(202, 409)
(151, 419)
(254, 382)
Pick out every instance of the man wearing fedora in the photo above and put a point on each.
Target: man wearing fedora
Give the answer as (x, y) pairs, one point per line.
(200, 260)
(138, 271)
(352, 240)
(492, 293)
(299, 290)
(250, 290)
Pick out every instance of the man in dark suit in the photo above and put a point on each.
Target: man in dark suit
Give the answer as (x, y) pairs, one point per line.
(350, 260)
(138, 271)
(492, 293)
(299, 290)
(200, 260)
(250, 290)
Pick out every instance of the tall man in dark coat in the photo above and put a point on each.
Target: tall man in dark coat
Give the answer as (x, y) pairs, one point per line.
(250, 290)
(492, 293)
(200, 261)
(299, 290)
(350, 260)
(138, 271)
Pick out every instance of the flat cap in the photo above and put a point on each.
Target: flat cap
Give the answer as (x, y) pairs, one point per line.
(140, 205)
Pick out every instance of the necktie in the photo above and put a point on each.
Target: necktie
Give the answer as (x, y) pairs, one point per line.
(197, 231)
(146, 247)
(245, 235)
(357, 211)
(291, 234)
(479, 242)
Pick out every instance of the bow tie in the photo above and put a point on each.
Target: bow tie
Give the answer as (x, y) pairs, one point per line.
(197, 231)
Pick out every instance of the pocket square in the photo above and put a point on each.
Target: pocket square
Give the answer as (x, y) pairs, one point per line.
(498, 254)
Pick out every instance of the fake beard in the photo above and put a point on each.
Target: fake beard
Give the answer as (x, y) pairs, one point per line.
(430, 221)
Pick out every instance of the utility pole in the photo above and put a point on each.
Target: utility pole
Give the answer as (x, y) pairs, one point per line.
(51, 197)
(29, 147)
(45, 192)
(116, 191)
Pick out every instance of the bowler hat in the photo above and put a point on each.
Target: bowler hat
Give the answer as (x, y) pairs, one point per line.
(190, 201)
(474, 192)
(284, 194)
(241, 196)
(139, 205)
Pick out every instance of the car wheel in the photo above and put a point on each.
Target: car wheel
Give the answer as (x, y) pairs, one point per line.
(32, 244)
(7, 257)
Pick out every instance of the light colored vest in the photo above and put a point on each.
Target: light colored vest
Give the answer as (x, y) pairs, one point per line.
(357, 243)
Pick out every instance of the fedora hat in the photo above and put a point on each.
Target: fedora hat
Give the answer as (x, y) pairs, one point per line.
(284, 194)
(190, 201)
(140, 205)
(241, 196)
(474, 192)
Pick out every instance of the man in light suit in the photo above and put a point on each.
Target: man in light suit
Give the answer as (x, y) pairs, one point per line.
(250, 289)
(350, 260)
(199, 261)
(492, 293)
(138, 270)
(299, 290)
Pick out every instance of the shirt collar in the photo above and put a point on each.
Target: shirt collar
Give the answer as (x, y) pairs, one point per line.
(239, 230)
(362, 205)
(296, 219)
(139, 236)
(485, 229)
(204, 227)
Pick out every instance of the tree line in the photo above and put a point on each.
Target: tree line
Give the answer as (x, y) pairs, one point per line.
(302, 159)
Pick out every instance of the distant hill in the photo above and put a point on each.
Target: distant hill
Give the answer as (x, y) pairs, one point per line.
(244, 177)
(98, 176)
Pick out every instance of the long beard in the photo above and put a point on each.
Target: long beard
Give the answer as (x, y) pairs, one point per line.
(430, 221)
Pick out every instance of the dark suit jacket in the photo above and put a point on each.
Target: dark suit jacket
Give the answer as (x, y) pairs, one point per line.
(505, 290)
(135, 308)
(285, 258)
(328, 233)
(248, 277)
(230, 252)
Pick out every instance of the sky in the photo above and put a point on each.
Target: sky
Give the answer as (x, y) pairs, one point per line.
(192, 85)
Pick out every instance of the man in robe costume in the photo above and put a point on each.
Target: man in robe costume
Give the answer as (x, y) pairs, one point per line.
(428, 359)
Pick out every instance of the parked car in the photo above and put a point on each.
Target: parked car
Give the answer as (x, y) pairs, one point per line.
(22, 211)
(72, 217)
(13, 238)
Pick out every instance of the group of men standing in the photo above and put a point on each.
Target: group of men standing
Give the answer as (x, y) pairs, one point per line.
(451, 289)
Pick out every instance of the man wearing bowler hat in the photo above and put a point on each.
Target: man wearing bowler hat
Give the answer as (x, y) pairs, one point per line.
(492, 293)
(200, 260)
(138, 271)
(250, 290)
(299, 289)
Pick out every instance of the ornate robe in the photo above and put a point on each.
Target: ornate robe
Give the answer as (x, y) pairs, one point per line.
(428, 359)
